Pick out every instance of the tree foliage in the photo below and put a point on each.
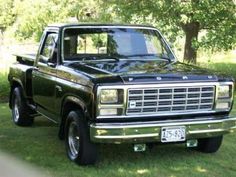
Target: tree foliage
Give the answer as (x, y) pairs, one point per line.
(34, 15)
(7, 15)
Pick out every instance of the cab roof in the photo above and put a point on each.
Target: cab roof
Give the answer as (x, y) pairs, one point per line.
(63, 25)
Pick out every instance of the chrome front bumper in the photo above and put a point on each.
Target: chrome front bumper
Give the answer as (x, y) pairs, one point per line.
(145, 132)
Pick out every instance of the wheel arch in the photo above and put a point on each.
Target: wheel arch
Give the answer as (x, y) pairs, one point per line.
(14, 83)
(70, 103)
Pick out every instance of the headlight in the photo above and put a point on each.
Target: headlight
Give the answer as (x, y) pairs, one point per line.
(109, 96)
(224, 91)
(110, 101)
(224, 97)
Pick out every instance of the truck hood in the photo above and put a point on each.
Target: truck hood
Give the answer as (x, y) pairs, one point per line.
(136, 71)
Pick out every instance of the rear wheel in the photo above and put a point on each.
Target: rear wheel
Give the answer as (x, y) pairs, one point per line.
(20, 110)
(209, 145)
(78, 145)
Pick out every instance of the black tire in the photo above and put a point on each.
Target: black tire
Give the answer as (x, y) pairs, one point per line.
(209, 145)
(78, 145)
(20, 110)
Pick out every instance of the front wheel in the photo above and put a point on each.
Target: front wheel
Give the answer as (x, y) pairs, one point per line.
(78, 145)
(209, 145)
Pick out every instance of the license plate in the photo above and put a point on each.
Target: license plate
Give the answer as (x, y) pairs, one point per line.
(173, 134)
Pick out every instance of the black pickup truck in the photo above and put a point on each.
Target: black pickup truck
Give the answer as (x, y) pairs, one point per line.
(106, 83)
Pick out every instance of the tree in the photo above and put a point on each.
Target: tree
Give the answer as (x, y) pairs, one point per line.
(7, 15)
(215, 19)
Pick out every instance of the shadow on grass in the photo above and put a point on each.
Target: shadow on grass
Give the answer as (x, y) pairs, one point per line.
(41, 121)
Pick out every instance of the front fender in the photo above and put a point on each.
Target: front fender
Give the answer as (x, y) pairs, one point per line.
(74, 101)
(71, 103)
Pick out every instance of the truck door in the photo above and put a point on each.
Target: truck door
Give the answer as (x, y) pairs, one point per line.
(44, 75)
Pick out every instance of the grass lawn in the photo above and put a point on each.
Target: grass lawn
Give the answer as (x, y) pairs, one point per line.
(4, 87)
(39, 146)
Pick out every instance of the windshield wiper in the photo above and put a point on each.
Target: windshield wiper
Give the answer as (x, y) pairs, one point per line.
(164, 57)
(92, 58)
(110, 57)
(141, 55)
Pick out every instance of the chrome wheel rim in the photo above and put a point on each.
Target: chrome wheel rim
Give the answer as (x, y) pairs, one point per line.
(73, 139)
(16, 111)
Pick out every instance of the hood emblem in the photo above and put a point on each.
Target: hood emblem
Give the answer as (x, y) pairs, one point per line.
(185, 77)
(158, 78)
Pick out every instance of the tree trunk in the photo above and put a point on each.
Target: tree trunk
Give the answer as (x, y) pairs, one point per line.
(191, 33)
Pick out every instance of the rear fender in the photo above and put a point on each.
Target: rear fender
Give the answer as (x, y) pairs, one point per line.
(13, 84)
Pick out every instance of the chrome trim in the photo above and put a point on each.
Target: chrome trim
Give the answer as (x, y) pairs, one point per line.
(177, 122)
(155, 115)
(140, 86)
(104, 26)
(151, 131)
(126, 136)
(170, 103)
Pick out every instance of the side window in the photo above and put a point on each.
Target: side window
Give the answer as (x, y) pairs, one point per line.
(48, 49)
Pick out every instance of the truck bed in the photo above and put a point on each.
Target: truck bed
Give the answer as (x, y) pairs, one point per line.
(27, 59)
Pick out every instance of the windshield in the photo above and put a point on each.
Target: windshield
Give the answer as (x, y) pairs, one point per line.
(114, 43)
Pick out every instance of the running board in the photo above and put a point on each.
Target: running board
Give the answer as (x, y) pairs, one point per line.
(33, 108)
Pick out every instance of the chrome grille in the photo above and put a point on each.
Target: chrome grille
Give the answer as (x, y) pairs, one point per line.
(171, 99)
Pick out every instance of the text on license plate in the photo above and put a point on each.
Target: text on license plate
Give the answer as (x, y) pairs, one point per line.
(173, 134)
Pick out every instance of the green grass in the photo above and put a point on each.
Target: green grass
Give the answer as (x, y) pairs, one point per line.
(224, 68)
(4, 87)
(216, 57)
(39, 145)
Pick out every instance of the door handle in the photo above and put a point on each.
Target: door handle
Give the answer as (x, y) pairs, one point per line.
(58, 88)
(36, 68)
